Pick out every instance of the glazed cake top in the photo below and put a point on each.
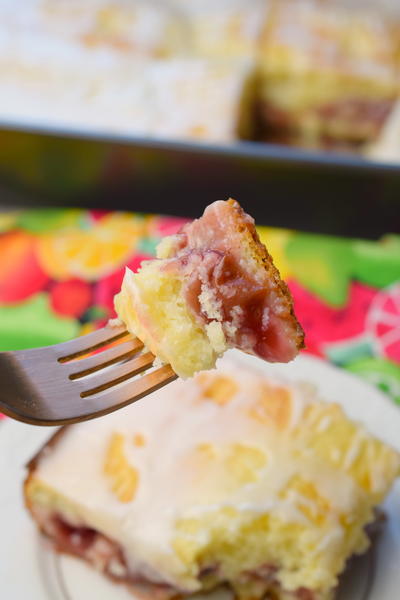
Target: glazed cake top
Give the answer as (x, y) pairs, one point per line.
(230, 459)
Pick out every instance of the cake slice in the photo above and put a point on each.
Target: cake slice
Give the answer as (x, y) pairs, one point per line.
(229, 478)
(136, 96)
(213, 287)
(328, 74)
(227, 28)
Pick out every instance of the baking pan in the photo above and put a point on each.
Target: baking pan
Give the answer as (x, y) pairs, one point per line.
(279, 186)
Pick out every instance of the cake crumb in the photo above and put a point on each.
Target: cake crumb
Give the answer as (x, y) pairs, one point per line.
(216, 335)
(158, 362)
(210, 305)
(115, 322)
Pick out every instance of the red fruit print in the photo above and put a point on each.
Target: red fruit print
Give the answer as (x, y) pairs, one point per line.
(392, 350)
(71, 298)
(383, 323)
(21, 275)
(382, 329)
(97, 215)
(107, 287)
(324, 324)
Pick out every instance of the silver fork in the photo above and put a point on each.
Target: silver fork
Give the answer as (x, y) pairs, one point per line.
(55, 386)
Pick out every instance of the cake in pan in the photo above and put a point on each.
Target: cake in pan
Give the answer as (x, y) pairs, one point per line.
(213, 287)
(231, 478)
(299, 72)
(116, 29)
(226, 28)
(137, 97)
(119, 68)
(328, 75)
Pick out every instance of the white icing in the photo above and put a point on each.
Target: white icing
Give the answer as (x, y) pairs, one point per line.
(113, 67)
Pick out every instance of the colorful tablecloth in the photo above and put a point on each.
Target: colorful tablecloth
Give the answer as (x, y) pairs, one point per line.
(60, 268)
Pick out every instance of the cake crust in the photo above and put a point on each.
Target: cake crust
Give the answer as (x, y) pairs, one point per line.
(248, 229)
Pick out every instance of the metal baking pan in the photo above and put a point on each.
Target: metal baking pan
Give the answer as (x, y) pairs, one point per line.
(279, 186)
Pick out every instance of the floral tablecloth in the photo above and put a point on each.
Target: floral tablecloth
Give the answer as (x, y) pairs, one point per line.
(60, 268)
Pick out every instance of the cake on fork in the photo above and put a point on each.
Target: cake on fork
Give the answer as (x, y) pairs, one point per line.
(213, 287)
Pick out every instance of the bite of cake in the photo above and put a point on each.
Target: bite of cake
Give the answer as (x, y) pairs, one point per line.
(213, 286)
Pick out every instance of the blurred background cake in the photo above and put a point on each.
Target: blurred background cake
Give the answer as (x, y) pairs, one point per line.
(328, 76)
(324, 75)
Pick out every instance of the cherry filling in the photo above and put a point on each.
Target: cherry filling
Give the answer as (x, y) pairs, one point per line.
(68, 538)
(250, 311)
(87, 543)
(365, 116)
(107, 556)
(101, 552)
(229, 278)
(359, 111)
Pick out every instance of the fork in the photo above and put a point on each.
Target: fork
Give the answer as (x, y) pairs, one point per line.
(58, 385)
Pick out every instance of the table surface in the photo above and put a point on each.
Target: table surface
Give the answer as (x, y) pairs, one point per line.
(60, 269)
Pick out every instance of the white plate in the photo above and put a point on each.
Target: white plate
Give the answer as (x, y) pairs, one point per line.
(30, 572)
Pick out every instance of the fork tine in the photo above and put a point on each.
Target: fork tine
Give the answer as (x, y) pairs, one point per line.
(86, 343)
(128, 392)
(118, 374)
(91, 364)
(41, 395)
